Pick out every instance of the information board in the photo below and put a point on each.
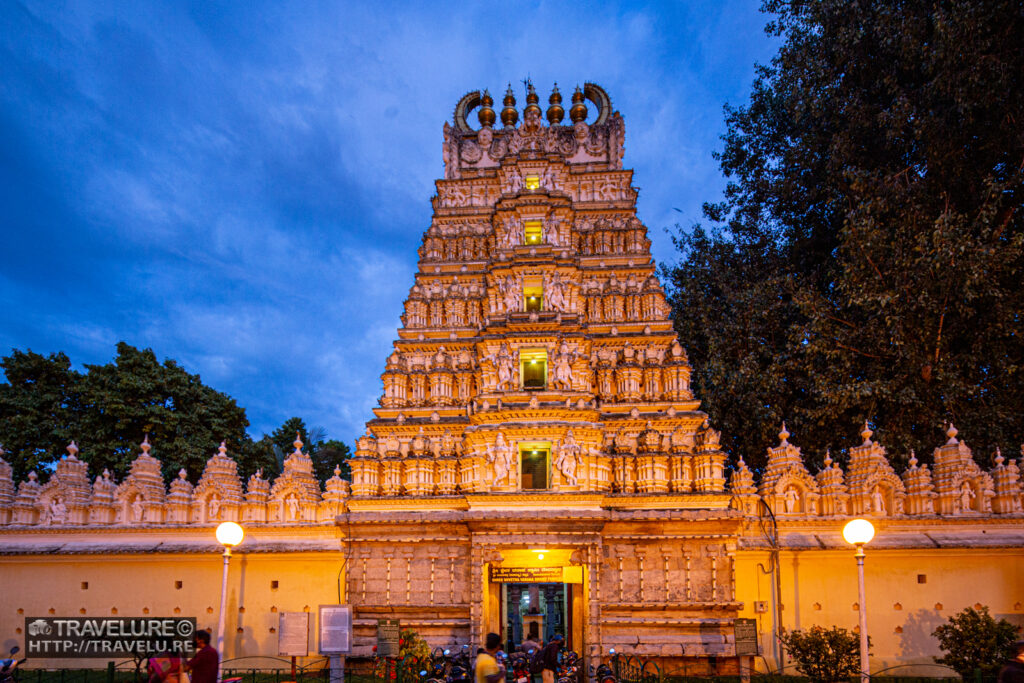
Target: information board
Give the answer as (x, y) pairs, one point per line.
(335, 629)
(293, 634)
(745, 632)
(526, 574)
(388, 633)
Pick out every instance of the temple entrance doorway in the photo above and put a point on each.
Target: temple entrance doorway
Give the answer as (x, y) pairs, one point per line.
(536, 610)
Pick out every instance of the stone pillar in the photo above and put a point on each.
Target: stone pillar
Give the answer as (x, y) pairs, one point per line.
(476, 598)
(549, 610)
(515, 593)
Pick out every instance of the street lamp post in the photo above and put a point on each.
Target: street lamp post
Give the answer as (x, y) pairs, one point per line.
(858, 532)
(229, 535)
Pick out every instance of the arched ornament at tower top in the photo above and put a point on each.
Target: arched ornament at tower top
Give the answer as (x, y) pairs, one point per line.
(471, 100)
(597, 95)
(466, 105)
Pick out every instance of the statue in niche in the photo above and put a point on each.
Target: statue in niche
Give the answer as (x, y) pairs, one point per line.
(500, 456)
(555, 292)
(58, 511)
(213, 506)
(878, 500)
(447, 446)
(547, 181)
(511, 294)
(292, 502)
(515, 181)
(567, 458)
(562, 374)
(504, 365)
(506, 238)
(138, 509)
(792, 498)
(552, 234)
(966, 496)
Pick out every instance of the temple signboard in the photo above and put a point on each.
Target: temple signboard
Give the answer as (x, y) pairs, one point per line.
(526, 575)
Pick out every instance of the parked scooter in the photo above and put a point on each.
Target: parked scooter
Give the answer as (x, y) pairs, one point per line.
(519, 663)
(437, 670)
(605, 673)
(9, 667)
(459, 666)
(568, 667)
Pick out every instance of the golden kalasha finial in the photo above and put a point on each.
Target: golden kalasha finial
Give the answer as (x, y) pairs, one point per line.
(783, 435)
(866, 433)
(531, 100)
(578, 110)
(509, 115)
(951, 432)
(555, 111)
(486, 115)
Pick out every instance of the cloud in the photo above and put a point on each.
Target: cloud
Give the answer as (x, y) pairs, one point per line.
(244, 189)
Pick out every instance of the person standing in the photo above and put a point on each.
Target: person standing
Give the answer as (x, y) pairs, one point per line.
(204, 665)
(549, 655)
(488, 670)
(1013, 670)
(532, 641)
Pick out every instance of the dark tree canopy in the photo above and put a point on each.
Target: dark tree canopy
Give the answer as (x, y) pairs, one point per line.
(109, 408)
(865, 262)
(325, 453)
(45, 404)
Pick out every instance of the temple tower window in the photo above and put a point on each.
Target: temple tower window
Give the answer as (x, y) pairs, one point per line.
(532, 182)
(533, 295)
(533, 232)
(533, 368)
(534, 464)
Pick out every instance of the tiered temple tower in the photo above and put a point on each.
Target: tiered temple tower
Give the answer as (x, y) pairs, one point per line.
(537, 462)
(536, 353)
(537, 414)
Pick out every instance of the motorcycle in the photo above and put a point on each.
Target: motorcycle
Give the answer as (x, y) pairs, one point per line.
(437, 670)
(605, 673)
(9, 667)
(458, 666)
(568, 667)
(519, 663)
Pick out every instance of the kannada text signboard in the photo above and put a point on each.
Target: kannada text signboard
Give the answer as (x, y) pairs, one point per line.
(745, 633)
(526, 575)
(388, 634)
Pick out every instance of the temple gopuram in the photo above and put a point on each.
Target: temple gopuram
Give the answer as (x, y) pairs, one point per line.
(538, 464)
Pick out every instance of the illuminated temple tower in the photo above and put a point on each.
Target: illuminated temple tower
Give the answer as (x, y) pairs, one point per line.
(537, 463)
(536, 414)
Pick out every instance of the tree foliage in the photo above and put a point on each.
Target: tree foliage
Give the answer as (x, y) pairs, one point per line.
(864, 263)
(325, 453)
(45, 404)
(109, 408)
(973, 639)
(824, 654)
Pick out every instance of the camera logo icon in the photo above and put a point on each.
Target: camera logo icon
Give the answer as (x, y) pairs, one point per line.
(40, 627)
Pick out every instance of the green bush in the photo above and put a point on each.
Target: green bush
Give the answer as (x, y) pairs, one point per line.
(973, 639)
(824, 654)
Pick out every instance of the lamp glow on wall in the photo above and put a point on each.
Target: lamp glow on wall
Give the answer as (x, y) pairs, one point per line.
(858, 533)
(228, 535)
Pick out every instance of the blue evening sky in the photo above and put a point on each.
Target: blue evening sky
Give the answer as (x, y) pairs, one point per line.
(242, 186)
